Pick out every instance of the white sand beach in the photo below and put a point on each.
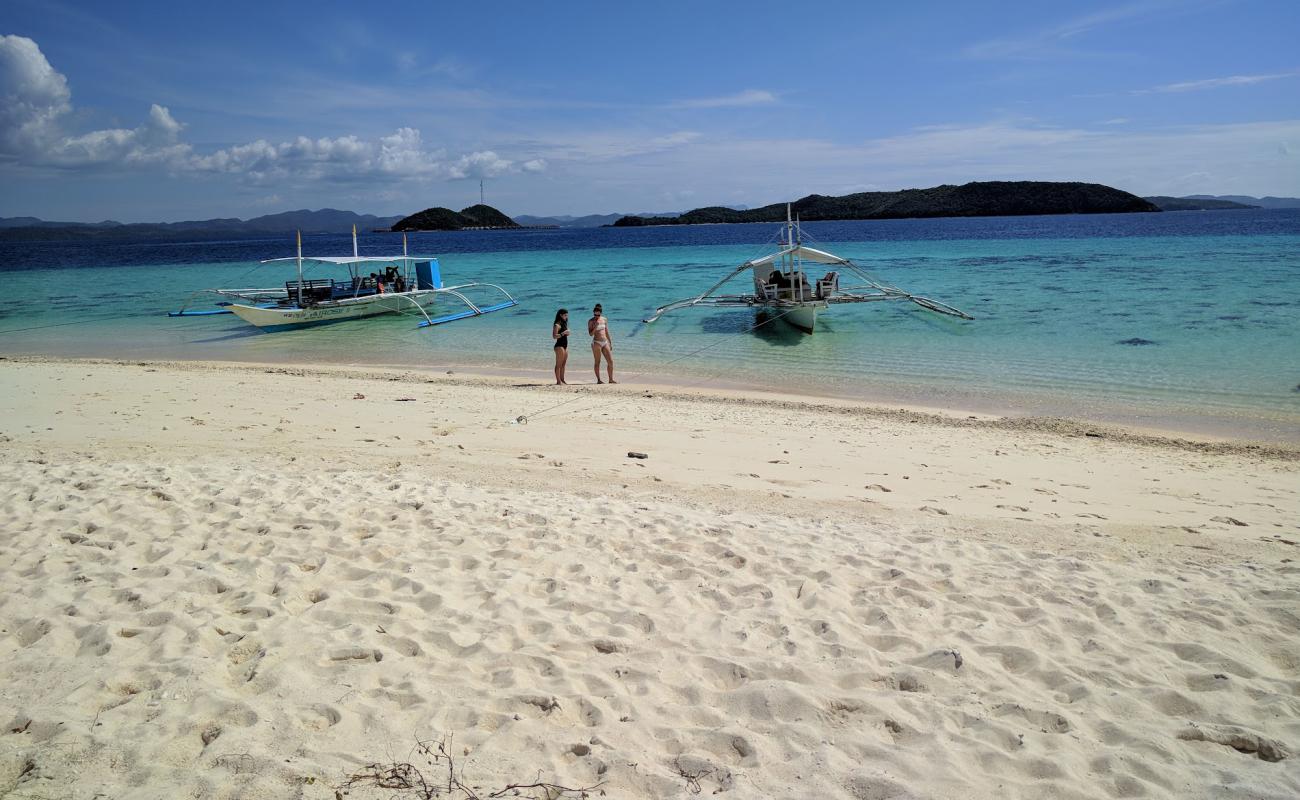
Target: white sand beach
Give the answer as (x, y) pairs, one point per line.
(242, 581)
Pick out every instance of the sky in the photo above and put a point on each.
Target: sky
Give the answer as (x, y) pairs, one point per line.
(144, 111)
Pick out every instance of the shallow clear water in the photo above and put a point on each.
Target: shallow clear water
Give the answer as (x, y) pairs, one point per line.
(1216, 296)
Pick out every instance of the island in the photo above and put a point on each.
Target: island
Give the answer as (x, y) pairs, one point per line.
(1195, 204)
(325, 220)
(476, 217)
(978, 199)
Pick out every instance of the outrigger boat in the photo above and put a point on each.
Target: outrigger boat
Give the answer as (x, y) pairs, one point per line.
(781, 285)
(403, 284)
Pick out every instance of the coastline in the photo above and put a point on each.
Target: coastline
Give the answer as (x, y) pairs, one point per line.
(164, 398)
(1012, 411)
(256, 580)
(1048, 344)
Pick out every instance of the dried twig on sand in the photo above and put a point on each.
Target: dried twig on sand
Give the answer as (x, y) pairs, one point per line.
(408, 779)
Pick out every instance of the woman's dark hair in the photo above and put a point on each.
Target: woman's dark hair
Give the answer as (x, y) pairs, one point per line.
(598, 307)
(557, 315)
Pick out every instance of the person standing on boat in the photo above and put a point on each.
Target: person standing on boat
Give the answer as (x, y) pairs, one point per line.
(560, 333)
(601, 343)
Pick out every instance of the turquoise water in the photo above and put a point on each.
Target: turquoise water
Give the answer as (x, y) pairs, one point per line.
(1215, 317)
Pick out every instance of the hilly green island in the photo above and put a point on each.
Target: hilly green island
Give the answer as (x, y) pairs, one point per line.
(476, 217)
(979, 199)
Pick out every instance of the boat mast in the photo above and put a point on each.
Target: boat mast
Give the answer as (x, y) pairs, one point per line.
(789, 239)
(798, 259)
(300, 303)
(354, 240)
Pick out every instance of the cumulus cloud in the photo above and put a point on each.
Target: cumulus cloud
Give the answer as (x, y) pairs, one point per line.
(397, 156)
(483, 164)
(401, 154)
(35, 100)
(156, 141)
(33, 96)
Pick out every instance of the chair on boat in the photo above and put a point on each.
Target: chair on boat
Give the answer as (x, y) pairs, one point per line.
(828, 285)
(313, 291)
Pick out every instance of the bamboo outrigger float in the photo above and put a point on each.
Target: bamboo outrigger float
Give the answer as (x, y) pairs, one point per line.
(405, 284)
(781, 285)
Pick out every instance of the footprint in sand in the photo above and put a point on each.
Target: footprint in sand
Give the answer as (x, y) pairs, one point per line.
(355, 655)
(318, 717)
(1014, 659)
(32, 632)
(905, 682)
(1046, 721)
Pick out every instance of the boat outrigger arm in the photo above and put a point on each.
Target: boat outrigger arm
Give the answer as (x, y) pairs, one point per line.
(828, 292)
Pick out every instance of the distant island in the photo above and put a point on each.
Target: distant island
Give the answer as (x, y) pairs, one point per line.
(325, 220)
(1194, 204)
(586, 220)
(476, 217)
(979, 199)
(973, 199)
(1267, 201)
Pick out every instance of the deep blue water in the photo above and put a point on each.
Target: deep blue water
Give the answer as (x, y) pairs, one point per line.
(1189, 319)
(43, 255)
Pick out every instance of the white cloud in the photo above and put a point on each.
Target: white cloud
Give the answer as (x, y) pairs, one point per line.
(749, 97)
(399, 155)
(483, 164)
(157, 141)
(1215, 83)
(33, 96)
(35, 100)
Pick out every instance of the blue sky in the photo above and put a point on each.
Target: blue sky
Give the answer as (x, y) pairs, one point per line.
(165, 111)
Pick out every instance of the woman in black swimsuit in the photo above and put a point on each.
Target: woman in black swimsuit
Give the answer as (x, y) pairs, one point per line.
(560, 333)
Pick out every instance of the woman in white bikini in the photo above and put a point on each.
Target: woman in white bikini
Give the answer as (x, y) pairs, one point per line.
(601, 343)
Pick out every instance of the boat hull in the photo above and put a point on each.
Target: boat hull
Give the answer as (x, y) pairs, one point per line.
(802, 317)
(284, 318)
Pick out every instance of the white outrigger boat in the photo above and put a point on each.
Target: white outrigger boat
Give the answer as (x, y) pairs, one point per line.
(781, 285)
(404, 284)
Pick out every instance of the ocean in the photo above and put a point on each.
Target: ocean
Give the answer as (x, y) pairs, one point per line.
(1186, 321)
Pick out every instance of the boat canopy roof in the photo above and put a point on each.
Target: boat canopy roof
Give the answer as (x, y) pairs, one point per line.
(352, 259)
(806, 253)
